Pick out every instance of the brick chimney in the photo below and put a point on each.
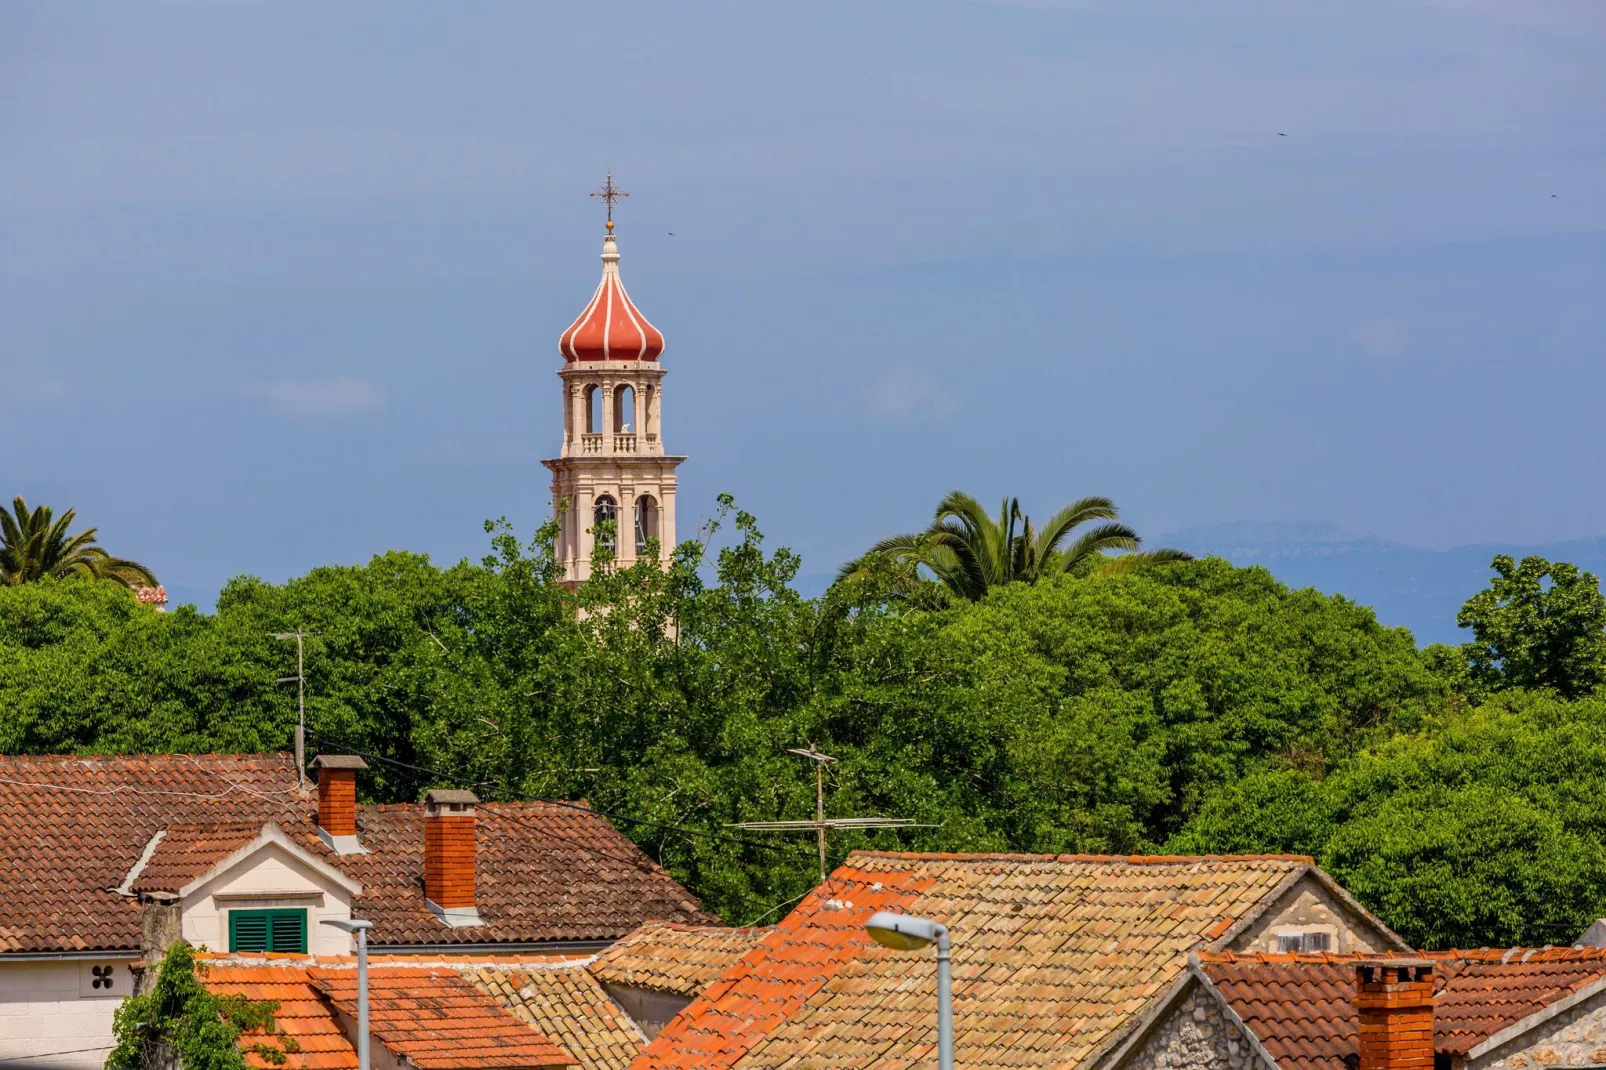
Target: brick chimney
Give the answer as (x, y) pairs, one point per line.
(337, 801)
(449, 856)
(1394, 1008)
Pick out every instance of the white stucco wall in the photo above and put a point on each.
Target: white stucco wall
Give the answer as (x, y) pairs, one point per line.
(51, 1010)
(272, 878)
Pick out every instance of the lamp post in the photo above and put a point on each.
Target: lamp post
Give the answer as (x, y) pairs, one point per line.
(903, 933)
(360, 928)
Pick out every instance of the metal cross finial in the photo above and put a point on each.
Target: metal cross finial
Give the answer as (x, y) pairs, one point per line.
(610, 194)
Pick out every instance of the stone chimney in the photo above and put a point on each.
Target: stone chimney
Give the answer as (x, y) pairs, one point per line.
(1394, 1008)
(449, 856)
(337, 801)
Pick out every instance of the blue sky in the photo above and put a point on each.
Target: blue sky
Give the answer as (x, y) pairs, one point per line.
(280, 285)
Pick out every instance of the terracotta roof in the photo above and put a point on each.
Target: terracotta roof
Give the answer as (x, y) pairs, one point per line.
(184, 852)
(679, 959)
(1300, 1005)
(72, 828)
(563, 1001)
(433, 1016)
(63, 849)
(546, 872)
(1051, 954)
(438, 1019)
(303, 1013)
(610, 327)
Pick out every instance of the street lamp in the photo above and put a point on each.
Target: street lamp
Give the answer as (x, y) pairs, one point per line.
(903, 933)
(361, 928)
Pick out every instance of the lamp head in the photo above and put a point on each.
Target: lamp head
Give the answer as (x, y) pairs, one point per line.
(346, 925)
(902, 932)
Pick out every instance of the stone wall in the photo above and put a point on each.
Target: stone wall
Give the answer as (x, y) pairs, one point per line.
(1576, 1037)
(1309, 906)
(1197, 1034)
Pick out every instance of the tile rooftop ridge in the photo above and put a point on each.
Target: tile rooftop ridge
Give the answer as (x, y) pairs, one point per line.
(1482, 954)
(147, 757)
(1137, 859)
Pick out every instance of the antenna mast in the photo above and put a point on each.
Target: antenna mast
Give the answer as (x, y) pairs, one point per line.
(301, 720)
(821, 824)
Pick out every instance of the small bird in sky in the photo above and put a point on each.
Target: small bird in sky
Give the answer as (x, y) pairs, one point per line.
(1281, 134)
(671, 234)
(1552, 196)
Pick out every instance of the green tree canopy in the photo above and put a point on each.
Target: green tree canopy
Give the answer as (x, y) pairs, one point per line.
(1538, 624)
(1061, 715)
(1488, 830)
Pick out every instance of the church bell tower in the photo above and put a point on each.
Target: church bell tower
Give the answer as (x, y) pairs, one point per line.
(613, 466)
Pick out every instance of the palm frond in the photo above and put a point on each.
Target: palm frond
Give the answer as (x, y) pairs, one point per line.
(1073, 516)
(1117, 566)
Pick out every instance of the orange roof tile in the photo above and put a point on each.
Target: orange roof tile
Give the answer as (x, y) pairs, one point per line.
(1051, 955)
(185, 852)
(566, 1003)
(303, 1013)
(679, 959)
(439, 1020)
(432, 1015)
(1299, 1006)
(72, 828)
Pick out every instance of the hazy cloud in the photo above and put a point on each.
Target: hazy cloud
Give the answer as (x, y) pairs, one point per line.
(904, 391)
(1382, 338)
(320, 397)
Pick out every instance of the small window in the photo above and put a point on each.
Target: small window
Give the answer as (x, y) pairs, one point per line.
(268, 930)
(1308, 942)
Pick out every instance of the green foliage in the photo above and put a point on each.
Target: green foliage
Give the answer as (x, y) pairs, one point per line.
(179, 1017)
(1539, 624)
(1486, 832)
(970, 552)
(33, 546)
(1197, 705)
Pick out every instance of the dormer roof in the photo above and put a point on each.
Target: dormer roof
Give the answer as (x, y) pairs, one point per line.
(73, 828)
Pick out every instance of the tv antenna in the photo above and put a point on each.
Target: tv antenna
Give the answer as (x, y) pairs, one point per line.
(822, 824)
(301, 687)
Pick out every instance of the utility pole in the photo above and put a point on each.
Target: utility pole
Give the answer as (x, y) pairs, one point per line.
(821, 824)
(301, 686)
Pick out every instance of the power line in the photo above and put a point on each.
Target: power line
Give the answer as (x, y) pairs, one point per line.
(459, 778)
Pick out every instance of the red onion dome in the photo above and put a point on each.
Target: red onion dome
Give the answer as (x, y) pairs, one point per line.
(611, 327)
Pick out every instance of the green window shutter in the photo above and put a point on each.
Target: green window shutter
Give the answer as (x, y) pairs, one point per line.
(288, 931)
(256, 931)
(248, 930)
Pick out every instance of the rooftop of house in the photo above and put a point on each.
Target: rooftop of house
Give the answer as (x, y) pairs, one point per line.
(1052, 955)
(677, 959)
(433, 1015)
(1300, 1006)
(78, 842)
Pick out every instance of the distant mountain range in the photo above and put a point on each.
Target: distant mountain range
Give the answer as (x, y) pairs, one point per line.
(1407, 585)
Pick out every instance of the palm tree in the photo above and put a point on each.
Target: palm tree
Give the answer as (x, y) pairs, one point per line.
(970, 552)
(32, 547)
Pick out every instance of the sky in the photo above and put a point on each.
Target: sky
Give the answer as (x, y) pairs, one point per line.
(281, 284)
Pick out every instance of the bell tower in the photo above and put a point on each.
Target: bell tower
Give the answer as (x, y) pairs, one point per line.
(613, 465)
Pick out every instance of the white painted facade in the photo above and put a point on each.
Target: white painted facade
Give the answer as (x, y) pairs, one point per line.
(54, 1015)
(52, 1011)
(271, 877)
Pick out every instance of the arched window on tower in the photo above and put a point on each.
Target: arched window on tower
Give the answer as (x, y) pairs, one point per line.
(605, 509)
(593, 410)
(646, 522)
(624, 409)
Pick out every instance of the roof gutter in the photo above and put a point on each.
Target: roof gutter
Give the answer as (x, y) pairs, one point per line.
(119, 954)
(556, 947)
